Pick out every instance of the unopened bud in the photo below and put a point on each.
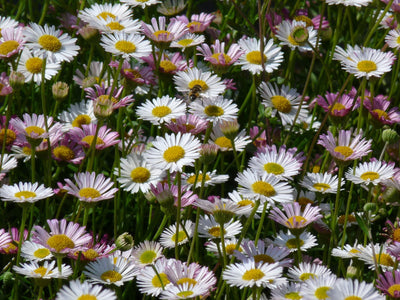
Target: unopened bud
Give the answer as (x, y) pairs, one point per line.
(87, 32)
(17, 80)
(208, 153)
(60, 90)
(390, 136)
(102, 107)
(124, 242)
(370, 207)
(351, 272)
(230, 128)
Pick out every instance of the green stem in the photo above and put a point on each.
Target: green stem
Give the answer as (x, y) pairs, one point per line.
(178, 213)
(44, 12)
(222, 234)
(261, 224)
(25, 207)
(92, 149)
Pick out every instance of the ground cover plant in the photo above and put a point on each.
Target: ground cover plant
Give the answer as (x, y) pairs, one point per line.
(199, 149)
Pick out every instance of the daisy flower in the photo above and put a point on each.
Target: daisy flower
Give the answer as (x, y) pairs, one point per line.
(306, 271)
(25, 192)
(230, 246)
(161, 110)
(183, 291)
(266, 187)
(160, 33)
(12, 247)
(5, 239)
(353, 289)
(111, 270)
(188, 40)
(48, 270)
(8, 162)
(169, 63)
(348, 251)
(198, 23)
(356, 3)
(147, 253)
(216, 109)
(217, 56)
(5, 87)
(222, 209)
(169, 192)
(307, 241)
(317, 288)
(95, 70)
(367, 62)
(210, 84)
(125, 44)
(105, 11)
(7, 22)
(211, 229)
(252, 60)
(284, 101)
(85, 136)
(373, 172)
(297, 35)
(173, 152)
(341, 108)
(63, 237)
(50, 42)
(188, 123)
(211, 179)
(31, 64)
(378, 254)
(378, 108)
(110, 25)
(35, 252)
(67, 151)
(245, 202)
(78, 114)
(100, 93)
(291, 290)
(321, 182)
(171, 7)
(11, 42)
(77, 290)
(141, 3)
(91, 187)
(168, 236)
(393, 38)
(218, 138)
(345, 147)
(251, 274)
(389, 283)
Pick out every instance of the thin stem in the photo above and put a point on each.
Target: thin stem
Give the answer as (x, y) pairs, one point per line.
(178, 213)
(25, 207)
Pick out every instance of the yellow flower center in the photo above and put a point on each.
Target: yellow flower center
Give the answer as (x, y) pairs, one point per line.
(111, 276)
(321, 292)
(366, 66)
(156, 282)
(89, 192)
(303, 201)
(223, 142)
(393, 288)
(27, 151)
(41, 271)
(369, 176)
(186, 280)
(60, 242)
(264, 258)
(8, 46)
(161, 111)
(147, 257)
(350, 219)
(274, 168)
(163, 32)
(25, 194)
(199, 82)
(384, 259)
(89, 139)
(227, 58)
(64, 153)
(81, 120)
(41, 253)
(254, 57)
(213, 111)
(263, 188)
(34, 65)
(293, 296)
(338, 107)
(185, 294)
(125, 46)
(181, 236)
(34, 129)
(398, 40)
(215, 231)
(133, 73)
(192, 178)
(167, 66)
(10, 136)
(174, 153)
(396, 235)
(230, 248)
(381, 113)
(292, 243)
(344, 150)
(305, 19)
(105, 14)
(87, 297)
(298, 219)
(253, 274)
(282, 104)
(353, 298)
(194, 24)
(140, 175)
(306, 276)
(246, 202)
(50, 43)
(185, 42)
(90, 254)
(354, 251)
(320, 186)
(115, 26)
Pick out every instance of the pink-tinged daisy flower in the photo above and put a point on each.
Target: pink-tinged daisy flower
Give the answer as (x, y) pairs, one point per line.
(77, 290)
(160, 33)
(68, 151)
(252, 59)
(169, 192)
(251, 274)
(63, 237)
(135, 74)
(94, 251)
(389, 283)
(91, 187)
(321, 182)
(25, 192)
(346, 147)
(7, 22)
(305, 241)
(209, 84)
(126, 45)
(170, 63)
(303, 15)
(147, 253)
(173, 152)
(188, 40)
(101, 93)
(294, 217)
(297, 35)
(5, 239)
(11, 42)
(353, 289)
(85, 136)
(198, 23)
(266, 187)
(12, 247)
(47, 270)
(373, 172)
(50, 42)
(395, 5)
(188, 123)
(378, 108)
(211, 229)
(5, 88)
(268, 254)
(342, 107)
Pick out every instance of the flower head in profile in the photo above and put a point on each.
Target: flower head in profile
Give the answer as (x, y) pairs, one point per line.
(161, 33)
(25, 192)
(339, 105)
(47, 270)
(297, 35)
(198, 23)
(78, 290)
(321, 182)
(85, 136)
(100, 93)
(378, 108)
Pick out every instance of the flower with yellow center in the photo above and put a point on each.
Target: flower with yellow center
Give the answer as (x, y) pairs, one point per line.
(321, 182)
(147, 252)
(25, 192)
(84, 291)
(126, 45)
(373, 172)
(47, 270)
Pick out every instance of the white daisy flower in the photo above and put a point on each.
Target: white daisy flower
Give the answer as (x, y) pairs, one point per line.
(288, 290)
(307, 271)
(251, 274)
(47, 270)
(317, 288)
(111, 270)
(8, 162)
(77, 115)
(393, 38)
(246, 202)
(211, 85)
(265, 187)
(135, 174)
(110, 24)
(7, 22)
(23, 192)
(161, 110)
(185, 290)
(35, 252)
(252, 60)
(173, 152)
(147, 253)
(209, 228)
(168, 236)
(188, 40)
(50, 42)
(141, 3)
(373, 172)
(218, 138)
(379, 254)
(171, 7)
(357, 3)
(296, 34)
(307, 241)
(284, 100)
(211, 179)
(85, 290)
(125, 44)
(230, 246)
(216, 110)
(348, 251)
(321, 182)
(105, 11)
(349, 289)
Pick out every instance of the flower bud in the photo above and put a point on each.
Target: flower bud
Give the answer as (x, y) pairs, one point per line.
(17, 80)
(230, 128)
(124, 242)
(60, 90)
(390, 136)
(102, 107)
(87, 32)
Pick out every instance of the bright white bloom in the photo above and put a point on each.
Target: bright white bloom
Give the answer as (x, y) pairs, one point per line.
(125, 44)
(349, 289)
(296, 34)
(25, 192)
(85, 290)
(373, 172)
